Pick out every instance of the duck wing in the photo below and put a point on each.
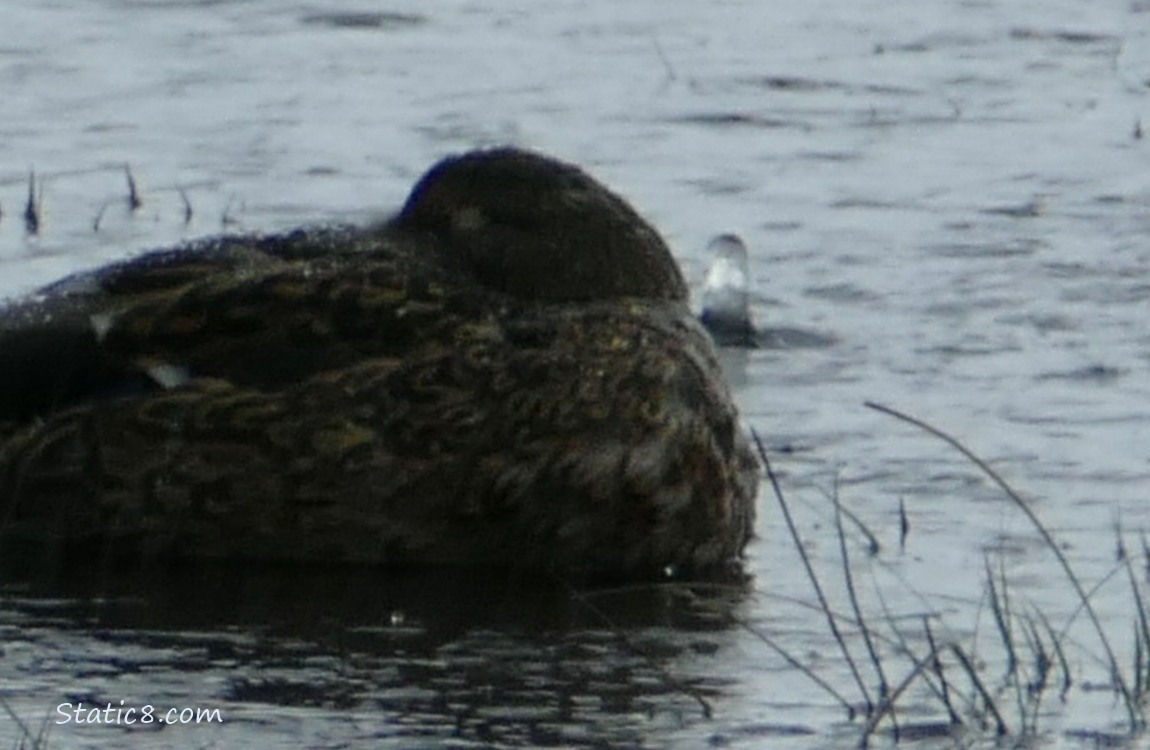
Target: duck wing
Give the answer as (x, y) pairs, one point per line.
(257, 311)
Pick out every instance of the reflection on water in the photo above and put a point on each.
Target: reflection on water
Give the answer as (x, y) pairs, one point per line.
(954, 194)
(424, 656)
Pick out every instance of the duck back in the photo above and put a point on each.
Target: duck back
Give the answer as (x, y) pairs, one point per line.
(507, 373)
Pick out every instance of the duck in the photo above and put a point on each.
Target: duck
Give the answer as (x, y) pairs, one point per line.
(726, 307)
(726, 312)
(505, 373)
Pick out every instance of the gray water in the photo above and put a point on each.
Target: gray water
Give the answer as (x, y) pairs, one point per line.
(956, 192)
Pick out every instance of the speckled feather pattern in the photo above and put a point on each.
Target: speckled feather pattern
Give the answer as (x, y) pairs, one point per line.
(454, 386)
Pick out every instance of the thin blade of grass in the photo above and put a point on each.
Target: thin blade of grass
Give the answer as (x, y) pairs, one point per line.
(1042, 663)
(814, 579)
(1000, 607)
(1001, 727)
(134, 200)
(794, 662)
(899, 640)
(873, 544)
(852, 595)
(1141, 633)
(1036, 687)
(1056, 644)
(886, 706)
(669, 679)
(32, 207)
(1132, 710)
(936, 664)
(187, 207)
(1001, 620)
(903, 525)
(26, 734)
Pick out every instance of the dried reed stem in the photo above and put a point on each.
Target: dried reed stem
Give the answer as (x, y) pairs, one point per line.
(1132, 710)
(814, 579)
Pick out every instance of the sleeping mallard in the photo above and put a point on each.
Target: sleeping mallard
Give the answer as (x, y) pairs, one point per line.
(505, 373)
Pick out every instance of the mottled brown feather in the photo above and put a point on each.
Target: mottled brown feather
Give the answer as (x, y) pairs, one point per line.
(506, 373)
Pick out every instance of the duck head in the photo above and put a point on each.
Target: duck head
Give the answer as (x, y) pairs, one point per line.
(540, 229)
(726, 289)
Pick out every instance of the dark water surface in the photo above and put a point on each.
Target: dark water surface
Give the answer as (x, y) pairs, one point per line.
(330, 657)
(954, 191)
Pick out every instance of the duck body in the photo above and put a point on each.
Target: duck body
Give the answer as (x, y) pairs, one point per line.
(507, 373)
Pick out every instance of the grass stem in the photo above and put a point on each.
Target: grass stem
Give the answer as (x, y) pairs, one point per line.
(1137, 722)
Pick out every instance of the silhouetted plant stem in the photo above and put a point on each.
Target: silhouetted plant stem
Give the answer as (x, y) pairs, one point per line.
(134, 201)
(873, 545)
(903, 524)
(1001, 620)
(794, 662)
(1001, 728)
(794, 532)
(675, 684)
(936, 664)
(1136, 720)
(899, 640)
(884, 686)
(886, 706)
(32, 207)
(187, 207)
(1056, 644)
(99, 217)
(1141, 634)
